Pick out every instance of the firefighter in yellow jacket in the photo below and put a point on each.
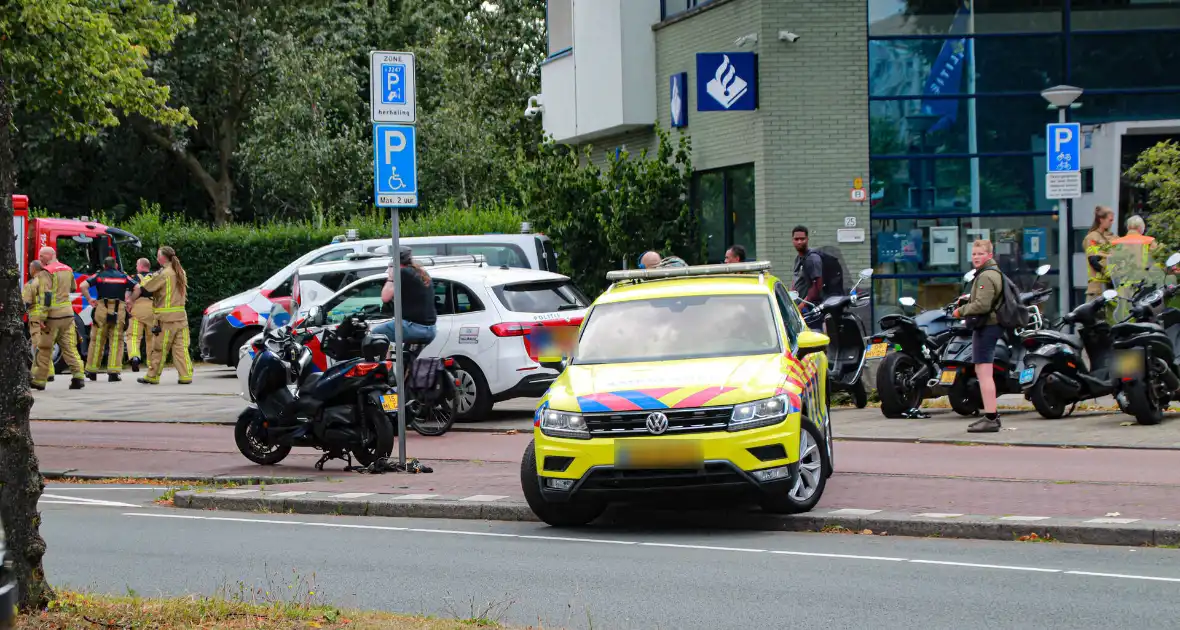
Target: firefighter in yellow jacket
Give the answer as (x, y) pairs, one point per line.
(1098, 246)
(142, 320)
(35, 309)
(168, 288)
(53, 288)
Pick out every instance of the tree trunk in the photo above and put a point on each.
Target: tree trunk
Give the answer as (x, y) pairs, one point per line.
(220, 190)
(20, 474)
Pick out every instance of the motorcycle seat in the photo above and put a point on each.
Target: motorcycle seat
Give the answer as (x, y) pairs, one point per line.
(1056, 336)
(309, 380)
(1136, 328)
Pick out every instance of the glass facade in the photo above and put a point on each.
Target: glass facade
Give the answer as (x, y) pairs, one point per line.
(724, 200)
(957, 126)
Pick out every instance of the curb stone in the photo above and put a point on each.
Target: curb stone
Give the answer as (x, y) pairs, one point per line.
(977, 527)
(242, 480)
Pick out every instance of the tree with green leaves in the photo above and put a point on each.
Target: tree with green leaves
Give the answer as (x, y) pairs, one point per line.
(1158, 172)
(84, 63)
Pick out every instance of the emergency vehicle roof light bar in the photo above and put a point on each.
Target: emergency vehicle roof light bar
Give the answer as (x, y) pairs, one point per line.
(434, 261)
(688, 272)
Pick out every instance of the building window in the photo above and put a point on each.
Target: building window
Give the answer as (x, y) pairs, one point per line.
(670, 8)
(957, 124)
(559, 23)
(725, 204)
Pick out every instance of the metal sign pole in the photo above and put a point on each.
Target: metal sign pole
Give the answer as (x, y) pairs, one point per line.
(397, 333)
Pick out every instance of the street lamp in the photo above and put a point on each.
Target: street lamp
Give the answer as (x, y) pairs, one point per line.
(1062, 97)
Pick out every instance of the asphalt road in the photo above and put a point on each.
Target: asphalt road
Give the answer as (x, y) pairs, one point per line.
(632, 576)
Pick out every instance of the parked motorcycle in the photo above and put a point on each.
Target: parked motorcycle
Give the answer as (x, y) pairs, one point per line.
(908, 375)
(344, 411)
(1054, 375)
(846, 350)
(1145, 374)
(958, 367)
(431, 383)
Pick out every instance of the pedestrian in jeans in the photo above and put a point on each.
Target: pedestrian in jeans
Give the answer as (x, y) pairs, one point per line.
(980, 311)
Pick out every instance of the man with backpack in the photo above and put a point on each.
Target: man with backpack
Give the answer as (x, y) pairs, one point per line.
(990, 310)
(818, 274)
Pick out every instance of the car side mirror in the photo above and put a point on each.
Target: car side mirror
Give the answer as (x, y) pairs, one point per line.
(811, 341)
(552, 363)
(315, 316)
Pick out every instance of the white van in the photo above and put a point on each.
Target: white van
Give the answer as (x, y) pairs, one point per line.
(229, 322)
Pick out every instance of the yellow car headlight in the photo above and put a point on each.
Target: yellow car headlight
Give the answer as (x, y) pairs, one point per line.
(760, 413)
(564, 424)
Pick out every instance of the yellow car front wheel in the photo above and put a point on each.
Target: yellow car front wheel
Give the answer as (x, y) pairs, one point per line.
(573, 513)
(808, 486)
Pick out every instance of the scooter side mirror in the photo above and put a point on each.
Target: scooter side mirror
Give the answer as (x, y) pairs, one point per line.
(866, 273)
(1174, 260)
(1111, 294)
(907, 301)
(1043, 269)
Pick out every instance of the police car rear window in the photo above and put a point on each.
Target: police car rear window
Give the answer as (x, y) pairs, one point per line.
(541, 297)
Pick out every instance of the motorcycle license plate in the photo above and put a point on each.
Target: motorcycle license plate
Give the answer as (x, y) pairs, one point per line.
(947, 377)
(877, 350)
(389, 402)
(1128, 364)
(1026, 375)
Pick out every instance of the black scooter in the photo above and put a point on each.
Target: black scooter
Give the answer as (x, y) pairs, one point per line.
(908, 375)
(1146, 375)
(1054, 375)
(344, 411)
(957, 362)
(846, 351)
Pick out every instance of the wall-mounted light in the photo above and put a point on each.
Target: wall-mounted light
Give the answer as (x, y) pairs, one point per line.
(746, 40)
(788, 36)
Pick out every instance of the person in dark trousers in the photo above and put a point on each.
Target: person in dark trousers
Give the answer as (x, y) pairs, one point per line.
(113, 288)
(735, 254)
(809, 269)
(986, 291)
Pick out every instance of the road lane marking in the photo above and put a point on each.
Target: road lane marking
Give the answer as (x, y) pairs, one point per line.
(1114, 521)
(289, 493)
(413, 497)
(937, 515)
(1123, 576)
(851, 512)
(1023, 518)
(783, 552)
(484, 497)
(985, 566)
(351, 495)
(68, 500)
(236, 491)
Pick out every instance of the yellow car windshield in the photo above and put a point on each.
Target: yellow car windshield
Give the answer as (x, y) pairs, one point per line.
(674, 328)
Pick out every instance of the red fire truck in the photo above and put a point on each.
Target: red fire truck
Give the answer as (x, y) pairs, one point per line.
(79, 243)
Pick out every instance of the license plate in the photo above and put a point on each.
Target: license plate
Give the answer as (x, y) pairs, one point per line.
(948, 377)
(659, 453)
(877, 350)
(1128, 364)
(389, 402)
(552, 342)
(1026, 375)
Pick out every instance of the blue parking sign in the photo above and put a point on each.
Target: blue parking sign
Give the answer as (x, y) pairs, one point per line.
(1063, 150)
(395, 165)
(393, 84)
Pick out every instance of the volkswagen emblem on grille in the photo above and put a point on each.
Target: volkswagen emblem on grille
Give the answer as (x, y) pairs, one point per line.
(657, 423)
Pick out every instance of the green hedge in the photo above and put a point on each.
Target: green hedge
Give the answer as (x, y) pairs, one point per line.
(221, 262)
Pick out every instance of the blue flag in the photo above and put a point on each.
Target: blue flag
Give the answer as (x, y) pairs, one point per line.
(946, 74)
